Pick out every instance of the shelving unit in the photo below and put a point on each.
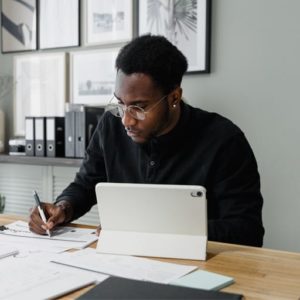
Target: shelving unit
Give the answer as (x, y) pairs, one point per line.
(20, 175)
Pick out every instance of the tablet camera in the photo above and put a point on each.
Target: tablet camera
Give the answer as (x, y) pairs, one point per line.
(197, 194)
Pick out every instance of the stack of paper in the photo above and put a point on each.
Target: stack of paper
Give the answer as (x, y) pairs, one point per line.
(32, 276)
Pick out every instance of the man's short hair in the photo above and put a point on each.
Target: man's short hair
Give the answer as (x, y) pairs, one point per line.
(155, 56)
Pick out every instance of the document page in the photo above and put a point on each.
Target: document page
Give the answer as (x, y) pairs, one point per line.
(125, 266)
(7, 250)
(63, 238)
(24, 279)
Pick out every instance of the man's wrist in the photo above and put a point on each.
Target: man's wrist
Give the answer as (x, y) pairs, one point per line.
(67, 209)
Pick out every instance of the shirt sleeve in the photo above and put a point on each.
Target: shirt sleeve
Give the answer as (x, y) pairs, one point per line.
(237, 200)
(81, 192)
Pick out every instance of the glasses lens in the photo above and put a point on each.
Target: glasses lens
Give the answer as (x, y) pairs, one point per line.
(136, 112)
(115, 109)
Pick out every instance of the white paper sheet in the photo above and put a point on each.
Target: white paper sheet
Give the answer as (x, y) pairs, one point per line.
(25, 279)
(34, 245)
(125, 266)
(6, 250)
(64, 238)
(46, 258)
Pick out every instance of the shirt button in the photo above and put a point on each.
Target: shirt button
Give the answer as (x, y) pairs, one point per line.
(152, 163)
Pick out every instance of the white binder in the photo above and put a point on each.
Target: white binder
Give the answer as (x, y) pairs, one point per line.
(152, 220)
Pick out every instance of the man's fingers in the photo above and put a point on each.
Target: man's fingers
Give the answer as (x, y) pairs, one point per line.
(36, 223)
(35, 217)
(57, 216)
(36, 226)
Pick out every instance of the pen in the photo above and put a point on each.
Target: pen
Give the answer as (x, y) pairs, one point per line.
(42, 214)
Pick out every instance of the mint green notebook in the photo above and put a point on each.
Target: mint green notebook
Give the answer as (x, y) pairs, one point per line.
(204, 280)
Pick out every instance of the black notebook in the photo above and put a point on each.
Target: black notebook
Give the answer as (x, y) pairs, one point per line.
(121, 288)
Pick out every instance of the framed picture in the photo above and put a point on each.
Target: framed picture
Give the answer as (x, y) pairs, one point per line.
(92, 76)
(59, 23)
(18, 25)
(184, 23)
(107, 21)
(40, 87)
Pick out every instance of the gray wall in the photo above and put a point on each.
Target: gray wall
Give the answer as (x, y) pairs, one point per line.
(254, 81)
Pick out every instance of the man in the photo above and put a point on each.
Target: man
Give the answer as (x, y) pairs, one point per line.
(149, 135)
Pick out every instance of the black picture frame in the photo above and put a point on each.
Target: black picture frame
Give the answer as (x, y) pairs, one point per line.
(187, 24)
(18, 25)
(59, 24)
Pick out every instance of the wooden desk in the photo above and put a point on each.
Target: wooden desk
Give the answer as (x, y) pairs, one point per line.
(259, 273)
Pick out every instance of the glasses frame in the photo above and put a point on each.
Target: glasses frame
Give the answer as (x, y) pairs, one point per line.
(122, 109)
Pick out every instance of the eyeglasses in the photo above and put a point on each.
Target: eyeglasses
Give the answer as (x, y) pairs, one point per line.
(138, 113)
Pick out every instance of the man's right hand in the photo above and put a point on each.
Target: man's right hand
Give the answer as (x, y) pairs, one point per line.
(55, 215)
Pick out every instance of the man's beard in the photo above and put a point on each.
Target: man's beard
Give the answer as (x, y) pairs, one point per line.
(163, 124)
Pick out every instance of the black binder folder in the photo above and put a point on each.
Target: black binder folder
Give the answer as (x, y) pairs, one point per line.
(70, 134)
(122, 288)
(29, 136)
(55, 136)
(40, 136)
(80, 123)
(86, 120)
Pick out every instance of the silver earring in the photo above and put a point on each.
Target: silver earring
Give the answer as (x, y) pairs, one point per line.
(174, 105)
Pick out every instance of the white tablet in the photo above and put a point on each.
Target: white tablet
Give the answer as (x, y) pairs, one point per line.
(152, 220)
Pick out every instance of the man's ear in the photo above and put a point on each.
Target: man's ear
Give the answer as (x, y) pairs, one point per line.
(176, 96)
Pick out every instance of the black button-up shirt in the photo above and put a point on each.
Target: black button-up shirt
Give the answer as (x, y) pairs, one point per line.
(203, 149)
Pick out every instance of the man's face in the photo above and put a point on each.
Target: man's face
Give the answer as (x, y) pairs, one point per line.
(139, 89)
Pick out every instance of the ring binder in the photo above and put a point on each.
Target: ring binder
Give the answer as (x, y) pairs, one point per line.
(40, 135)
(80, 123)
(55, 136)
(29, 136)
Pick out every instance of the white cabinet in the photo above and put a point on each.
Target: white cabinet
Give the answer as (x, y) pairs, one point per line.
(17, 181)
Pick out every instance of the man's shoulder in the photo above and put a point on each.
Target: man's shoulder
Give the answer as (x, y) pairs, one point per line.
(212, 122)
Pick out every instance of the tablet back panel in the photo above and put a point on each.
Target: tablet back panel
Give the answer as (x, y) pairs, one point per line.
(152, 220)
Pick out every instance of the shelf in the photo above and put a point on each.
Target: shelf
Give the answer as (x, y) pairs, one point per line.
(40, 161)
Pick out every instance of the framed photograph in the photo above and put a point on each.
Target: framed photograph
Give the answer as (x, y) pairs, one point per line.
(92, 76)
(184, 23)
(40, 87)
(107, 21)
(59, 23)
(18, 25)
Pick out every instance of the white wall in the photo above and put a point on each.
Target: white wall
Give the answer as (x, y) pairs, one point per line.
(254, 81)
